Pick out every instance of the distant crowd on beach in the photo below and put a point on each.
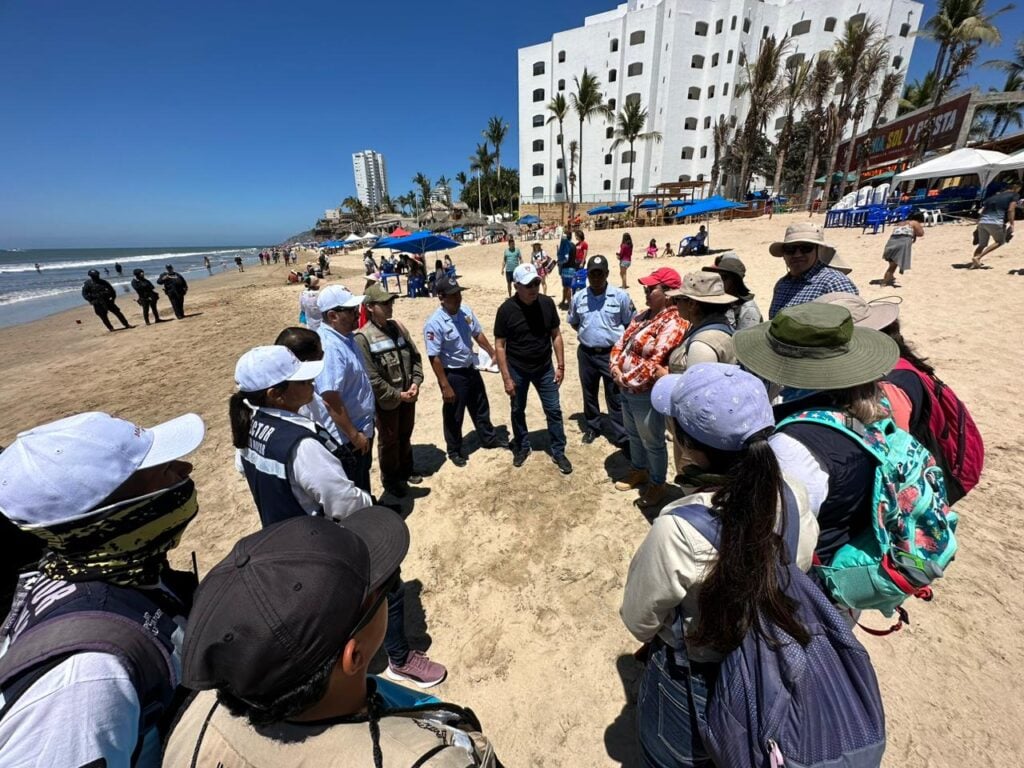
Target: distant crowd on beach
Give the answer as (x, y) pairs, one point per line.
(816, 461)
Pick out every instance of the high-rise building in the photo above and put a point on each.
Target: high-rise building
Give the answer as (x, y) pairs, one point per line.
(683, 60)
(371, 177)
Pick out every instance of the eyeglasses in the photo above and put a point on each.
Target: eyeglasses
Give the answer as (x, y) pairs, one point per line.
(385, 589)
(344, 309)
(649, 289)
(804, 248)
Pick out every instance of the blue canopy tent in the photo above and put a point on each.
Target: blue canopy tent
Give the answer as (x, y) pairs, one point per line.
(459, 230)
(708, 205)
(529, 219)
(599, 210)
(649, 205)
(418, 243)
(619, 207)
(332, 244)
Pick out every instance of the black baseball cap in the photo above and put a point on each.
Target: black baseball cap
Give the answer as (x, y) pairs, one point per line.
(597, 262)
(446, 286)
(286, 599)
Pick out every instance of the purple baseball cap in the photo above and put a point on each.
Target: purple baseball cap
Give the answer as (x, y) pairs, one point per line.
(716, 404)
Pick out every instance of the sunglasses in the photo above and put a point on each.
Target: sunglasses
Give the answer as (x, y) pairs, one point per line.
(649, 289)
(803, 248)
(385, 589)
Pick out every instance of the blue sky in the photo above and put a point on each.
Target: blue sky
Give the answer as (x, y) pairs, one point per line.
(187, 123)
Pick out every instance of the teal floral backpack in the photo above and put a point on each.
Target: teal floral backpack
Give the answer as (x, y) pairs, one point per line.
(912, 537)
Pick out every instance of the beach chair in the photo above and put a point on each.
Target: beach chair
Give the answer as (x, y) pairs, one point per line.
(875, 218)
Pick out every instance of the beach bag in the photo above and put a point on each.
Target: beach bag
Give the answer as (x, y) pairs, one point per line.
(777, 703)
(912, 537)
(952, 431)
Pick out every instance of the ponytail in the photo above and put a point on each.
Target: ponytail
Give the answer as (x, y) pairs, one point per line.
(742, 592)
(240, 415)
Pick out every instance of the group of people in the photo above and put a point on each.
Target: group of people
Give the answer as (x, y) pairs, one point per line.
(780, 430)
(101, 295)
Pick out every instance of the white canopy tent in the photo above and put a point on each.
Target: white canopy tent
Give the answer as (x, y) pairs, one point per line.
(1010, 162)
(368, 238)
(961, 162)
(352, 238)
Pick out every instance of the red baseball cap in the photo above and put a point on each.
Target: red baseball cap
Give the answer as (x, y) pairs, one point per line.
(665, 277)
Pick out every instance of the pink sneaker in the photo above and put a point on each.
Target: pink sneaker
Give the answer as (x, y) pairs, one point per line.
(418, 670)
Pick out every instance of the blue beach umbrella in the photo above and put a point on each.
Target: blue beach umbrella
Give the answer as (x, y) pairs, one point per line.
(708, 205)
(650, 205)
(618, 207)
(419, 243)
(599, 210)
(529, 219)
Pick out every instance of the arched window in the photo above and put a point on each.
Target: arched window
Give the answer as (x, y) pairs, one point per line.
(538, 121)
(538, 145)
(801, 28)
(697, 62)
(538, 191)
(561, 85)
(633, 98)
(608, 159)
(707, 122)
(609, 133)
(607, 184)
(795, 61)
(636, 38)
(701, 29)
(538, 94)
(612, 75)
(611, 104)
(858, 19)
(558, 188)
(628, 157)
(703, 152)
(558, 164)
(561, 57)
(634, 69)
(626, 183)
(690, 124)
(830, 24)
(538, 68)
(614, 44)
(897, 62)
(538, 169)
(687, 153)
(693, 94)
(711, 91)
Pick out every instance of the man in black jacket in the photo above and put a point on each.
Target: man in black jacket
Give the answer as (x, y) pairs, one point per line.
(148, 297)
(175, 287)
(101, 295)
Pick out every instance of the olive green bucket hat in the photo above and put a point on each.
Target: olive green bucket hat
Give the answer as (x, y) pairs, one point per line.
(815, 346)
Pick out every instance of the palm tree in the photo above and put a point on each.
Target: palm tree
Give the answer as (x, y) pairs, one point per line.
(423, 183)
(559, 109)
(860, 37)
(497, 130)
(918, 94)
(444, 182)
(462, 179)
(720, 143)
(359, 211)
(629, 129)
(767, 93)
(795, 92)
(1014, 66)
(820, 116)
(480, 164)
(873, 62)
(588, 101)
(1005, 115)
(573, 156)
(887, 90)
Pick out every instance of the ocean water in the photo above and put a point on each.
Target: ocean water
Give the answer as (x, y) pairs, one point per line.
(28, 293)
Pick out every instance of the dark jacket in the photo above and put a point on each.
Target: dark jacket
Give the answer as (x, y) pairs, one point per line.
(98, 291)
(174, 284)
(145, 289)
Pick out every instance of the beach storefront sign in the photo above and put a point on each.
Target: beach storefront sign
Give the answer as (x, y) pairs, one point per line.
(898, 140)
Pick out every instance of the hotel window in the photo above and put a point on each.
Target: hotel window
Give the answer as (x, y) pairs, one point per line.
(558, 141)
(561, 85)
(609, 133)
(614, 45)
(732, 24)
(707, 122)
(634, 69)
(728, 57)
(608, 159)
(764, 33)
(830, 24)
(714, 59)
(690, 124)
(858, 19)
(561, 57)
(632, 98)
(801, 28)
(612, 75)
(743, 58)
(629, 157)
(904, 30)
(637, 38)
(718, 26)
(538, 191)
(538, 94)
(897, 62)
(732, 121)
(538, 145)
(711, 91)
(625, 183)
(701, 30)
(703, 152)
(558, 164)
(558, 188)
(538, 68)
(725, 89)
(686, 177)
(780, 123)
(607, 184)
(538, 169)
(687, 153)
(746, 26)
(795, 60)
(693, 94)
(611, 103)
(538, 121)
(697, 62)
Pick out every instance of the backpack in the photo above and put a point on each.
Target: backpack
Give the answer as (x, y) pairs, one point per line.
(694, 332)
(778, 703)
(952, 431)
(911, 539)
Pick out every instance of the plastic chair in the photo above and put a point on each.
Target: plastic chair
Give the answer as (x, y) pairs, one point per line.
(417, 286)
(874, 219)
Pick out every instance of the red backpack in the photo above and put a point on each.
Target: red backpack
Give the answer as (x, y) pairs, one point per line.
(960, 448)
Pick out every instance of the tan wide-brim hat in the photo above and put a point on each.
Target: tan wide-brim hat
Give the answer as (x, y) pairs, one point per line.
(877, 314)
(804, 232)
(705, 287)
(835, 261)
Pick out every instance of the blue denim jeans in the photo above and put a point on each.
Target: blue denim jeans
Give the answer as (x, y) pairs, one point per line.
(544, 382)
(670, 702)
(646, 430)
(395, 642)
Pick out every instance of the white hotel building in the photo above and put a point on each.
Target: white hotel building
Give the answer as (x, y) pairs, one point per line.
(371, 177)
(681, 59)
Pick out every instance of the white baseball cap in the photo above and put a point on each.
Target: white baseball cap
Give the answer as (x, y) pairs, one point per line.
(59, 472)
(264, 367)
(525, 274)
(334, 296)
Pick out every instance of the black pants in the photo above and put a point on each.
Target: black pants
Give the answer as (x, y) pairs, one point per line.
(147, 305)
(470, 394)
(357, 465)
(177, 304)
(394, 442)
(102, 308)
(593, 365)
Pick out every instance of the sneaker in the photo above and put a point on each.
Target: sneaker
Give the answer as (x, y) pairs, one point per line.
(495, 442)
(519, 457)
(564, 465)
(457, 459)
(414, 479)
(589, 436)
(397, 488)
(636, 477)
(418, 670)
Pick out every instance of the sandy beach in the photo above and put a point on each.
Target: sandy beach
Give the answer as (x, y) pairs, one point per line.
(519, 573)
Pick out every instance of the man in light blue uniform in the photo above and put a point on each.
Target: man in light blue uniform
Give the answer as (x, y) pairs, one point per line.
(449, 335)
(344, 385)
(600, 313)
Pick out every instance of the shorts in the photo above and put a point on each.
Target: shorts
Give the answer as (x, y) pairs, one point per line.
(624, 263)
(567, 276)
(508, 277)
(996, 231)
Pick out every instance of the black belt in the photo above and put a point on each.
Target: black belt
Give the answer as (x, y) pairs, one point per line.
(464, 368)
(596, 350)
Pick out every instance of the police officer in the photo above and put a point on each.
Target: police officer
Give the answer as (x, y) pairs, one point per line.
(175, 287)
(101, 295)
(395, 368)
(449, 334)
(600, 313)
(148, 297)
